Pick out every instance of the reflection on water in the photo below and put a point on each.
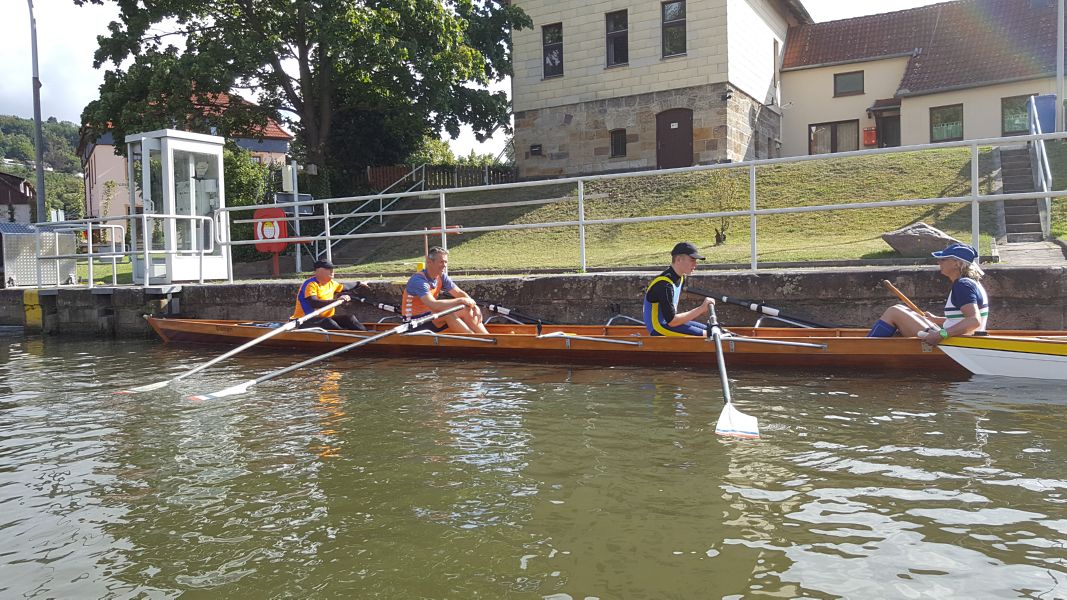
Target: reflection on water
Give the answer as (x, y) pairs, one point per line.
(398, 479)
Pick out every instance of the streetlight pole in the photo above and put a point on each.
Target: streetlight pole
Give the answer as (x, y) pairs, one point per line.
(39, 143)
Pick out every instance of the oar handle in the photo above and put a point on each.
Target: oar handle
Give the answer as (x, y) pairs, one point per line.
(907, 302)
(509, 312)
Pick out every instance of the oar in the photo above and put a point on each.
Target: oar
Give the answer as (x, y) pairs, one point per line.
(732, 422)
(288, 326)
(509, 312)
(759, 307)
(402, 328)
(907, 302)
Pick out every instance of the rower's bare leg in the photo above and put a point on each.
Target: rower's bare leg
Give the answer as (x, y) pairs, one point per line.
(473, 319)
(456, 324)
(904, 319)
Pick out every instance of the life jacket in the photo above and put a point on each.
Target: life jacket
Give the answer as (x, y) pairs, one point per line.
(410, 306)
(324, 291)
(954, 314)
(653, 318)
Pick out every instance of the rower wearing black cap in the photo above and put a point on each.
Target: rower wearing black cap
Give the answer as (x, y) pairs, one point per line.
(661, 297)
(320, 290)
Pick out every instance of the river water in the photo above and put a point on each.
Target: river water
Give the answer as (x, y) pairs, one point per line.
(382, 478)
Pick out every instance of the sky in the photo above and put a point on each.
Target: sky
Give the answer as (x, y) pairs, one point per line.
(66, 41)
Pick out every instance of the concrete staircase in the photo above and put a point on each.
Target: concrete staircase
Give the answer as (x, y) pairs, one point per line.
(1022, 218)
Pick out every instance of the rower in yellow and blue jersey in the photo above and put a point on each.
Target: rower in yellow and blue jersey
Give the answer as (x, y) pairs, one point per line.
(661, 297)
(318, 291)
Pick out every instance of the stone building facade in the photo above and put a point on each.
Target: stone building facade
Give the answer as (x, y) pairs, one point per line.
(708, 95)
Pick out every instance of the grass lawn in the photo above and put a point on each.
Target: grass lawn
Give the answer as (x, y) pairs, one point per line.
(841, 234)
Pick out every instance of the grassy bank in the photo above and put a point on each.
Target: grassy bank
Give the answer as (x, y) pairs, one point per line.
(841, 234)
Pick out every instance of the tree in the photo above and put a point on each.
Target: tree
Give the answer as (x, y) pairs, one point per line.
(432, 151)
(430, 58)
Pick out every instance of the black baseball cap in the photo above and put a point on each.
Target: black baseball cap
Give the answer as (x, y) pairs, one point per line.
(687, 249)
(324, 264)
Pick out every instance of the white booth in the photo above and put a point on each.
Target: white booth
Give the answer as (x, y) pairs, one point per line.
(176, 185)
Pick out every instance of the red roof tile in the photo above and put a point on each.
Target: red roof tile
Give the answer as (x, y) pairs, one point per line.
(967, 43)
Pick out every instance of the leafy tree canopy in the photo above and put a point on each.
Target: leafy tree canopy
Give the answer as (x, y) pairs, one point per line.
(422, 61)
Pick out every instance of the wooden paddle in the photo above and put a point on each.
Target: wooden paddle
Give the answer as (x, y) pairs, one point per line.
(402, 328)
(761, 308)
(289, 326)
(732, 422)
(907, 302)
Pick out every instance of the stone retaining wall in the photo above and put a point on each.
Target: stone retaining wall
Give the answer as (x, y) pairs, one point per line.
(1022, 298)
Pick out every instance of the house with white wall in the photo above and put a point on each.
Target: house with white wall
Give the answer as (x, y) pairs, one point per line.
(943, 72)
(616, 85)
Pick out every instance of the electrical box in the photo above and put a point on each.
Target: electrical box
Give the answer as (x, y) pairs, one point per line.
(870, 136)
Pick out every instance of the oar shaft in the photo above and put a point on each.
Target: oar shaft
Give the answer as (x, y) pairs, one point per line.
(408, 326)
(508, 312)
(760, 308)
(288, 326)
(716, 335)
(907, 302)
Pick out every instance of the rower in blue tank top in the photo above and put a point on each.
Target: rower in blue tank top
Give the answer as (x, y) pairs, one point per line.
(661, 297)
(966, 309)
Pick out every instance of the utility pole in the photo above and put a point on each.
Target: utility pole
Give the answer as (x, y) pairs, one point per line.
(1059, 67)
(39, 142)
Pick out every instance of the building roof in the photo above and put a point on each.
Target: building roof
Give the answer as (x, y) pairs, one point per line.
(217, 103)
(953, 45)
(22, 190)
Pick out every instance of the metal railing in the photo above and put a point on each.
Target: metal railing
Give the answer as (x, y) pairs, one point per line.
(118, 252)
(975, 198)
(1043, 173)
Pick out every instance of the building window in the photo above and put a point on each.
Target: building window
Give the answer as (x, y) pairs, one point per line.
(848, 84)
(673, 28)
(552, 40)
(618, 46)
(1014, 116)
(618, 142)
(841, 136)
(946, 123)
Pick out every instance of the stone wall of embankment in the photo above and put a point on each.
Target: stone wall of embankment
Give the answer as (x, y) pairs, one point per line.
(1022, 298)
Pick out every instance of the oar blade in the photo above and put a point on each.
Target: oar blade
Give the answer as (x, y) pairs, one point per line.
(230, 391)
(734, 423)
(145, 388)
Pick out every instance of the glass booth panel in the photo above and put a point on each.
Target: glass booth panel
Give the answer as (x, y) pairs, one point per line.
(196, 193)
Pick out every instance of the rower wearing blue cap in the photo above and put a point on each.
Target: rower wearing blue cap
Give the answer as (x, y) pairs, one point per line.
(966, 310)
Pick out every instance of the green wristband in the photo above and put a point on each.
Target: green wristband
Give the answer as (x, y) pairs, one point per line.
(943, 333)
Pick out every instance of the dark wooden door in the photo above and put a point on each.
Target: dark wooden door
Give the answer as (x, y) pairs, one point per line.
(889, 132)
(674, 138)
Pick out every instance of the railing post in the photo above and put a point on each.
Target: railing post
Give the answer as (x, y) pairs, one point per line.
(581, 223)
(296, 218)
(444, 233)
(326, 228)
(752, 214)
(89, 240)
(144, 245)
(975, 233)
(197, 226)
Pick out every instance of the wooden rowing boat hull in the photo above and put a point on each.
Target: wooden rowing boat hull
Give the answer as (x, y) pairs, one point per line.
(845, 348)
(1008, 356)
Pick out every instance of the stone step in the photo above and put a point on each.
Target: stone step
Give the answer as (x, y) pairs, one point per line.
(1018, 218)
(1010, 166)
(1018, 238)
(1018, 188)
(1024, 227)
(1032, 204)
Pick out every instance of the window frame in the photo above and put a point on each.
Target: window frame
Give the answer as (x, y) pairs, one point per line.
(546, 47)
(1004, 132)
(833, 135)
(963, 125)
(860, 92)
(610, 36)
(612, 140)
(666, 25)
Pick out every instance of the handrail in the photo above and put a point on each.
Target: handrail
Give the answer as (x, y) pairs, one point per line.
(1044, 170)
(973, 197)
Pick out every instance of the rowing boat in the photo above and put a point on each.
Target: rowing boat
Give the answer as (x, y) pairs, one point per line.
(1011, 356)
(595, 344)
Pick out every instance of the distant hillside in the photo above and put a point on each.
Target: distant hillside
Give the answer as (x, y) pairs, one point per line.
(60, 143)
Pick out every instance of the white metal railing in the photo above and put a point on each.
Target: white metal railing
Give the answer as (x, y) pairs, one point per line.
(117, 252)
(419, 183)
(974, 198)
(1039, 157)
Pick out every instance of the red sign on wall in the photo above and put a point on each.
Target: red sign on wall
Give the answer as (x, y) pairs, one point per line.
(272, 229)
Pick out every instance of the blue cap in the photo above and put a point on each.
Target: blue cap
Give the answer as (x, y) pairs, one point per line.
(961, 251)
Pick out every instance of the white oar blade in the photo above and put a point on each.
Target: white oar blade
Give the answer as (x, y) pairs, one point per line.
(230, 391)
(145, 388)
(735, 423)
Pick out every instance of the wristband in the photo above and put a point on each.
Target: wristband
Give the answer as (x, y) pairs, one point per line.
(943, 333)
